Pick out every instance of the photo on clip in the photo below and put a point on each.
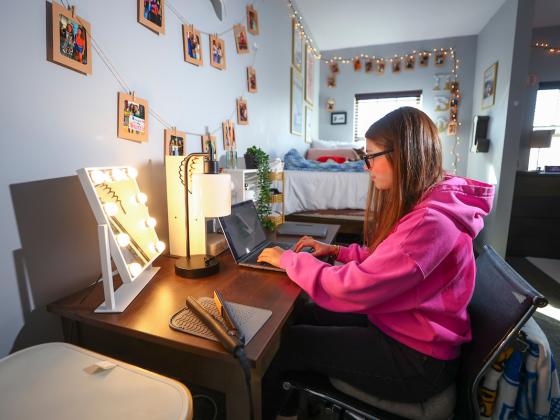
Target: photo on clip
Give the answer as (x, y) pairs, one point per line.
(241, 42)
(151, 14)
(217, 52)
(251, 80)
(242, 112)
(209, 145)
(191, 45)
(228, 130)
(175, 143)
(252, 20)
(132, 118)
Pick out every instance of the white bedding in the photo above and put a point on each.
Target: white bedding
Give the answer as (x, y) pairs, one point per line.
(307, 190)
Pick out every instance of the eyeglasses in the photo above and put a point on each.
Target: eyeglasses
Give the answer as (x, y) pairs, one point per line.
(372, 156)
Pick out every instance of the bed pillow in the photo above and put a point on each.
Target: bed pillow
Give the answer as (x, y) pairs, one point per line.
(337, 159)
(293, 161)
(332, 144)
(348, 154)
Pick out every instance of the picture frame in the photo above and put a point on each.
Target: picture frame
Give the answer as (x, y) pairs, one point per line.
(192, 45)
(252, 20)
(396, 65)
(297, 47)
(330, 104)
(338, 118)
(380, 67)
(409, 62)
(228, 132)
(296, 102)
(241, 39)
(242, 112)
(132, 118)
(357, 63)
(308, 124)
(217, 52)
(489, 81)
(309, 76)
(368, 65)
(331, 81)
(334, 68)
(207, 142)
(440, 58)
(174, 142)
(424, 59)
(251, 80)
(70, 41)
(151, 14)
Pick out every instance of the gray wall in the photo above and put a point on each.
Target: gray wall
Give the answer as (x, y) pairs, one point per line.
(505, 39)
(350, 82)
(54, 120)
(544, 67)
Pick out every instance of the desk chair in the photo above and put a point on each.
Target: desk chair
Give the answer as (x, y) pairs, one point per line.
(502, 302)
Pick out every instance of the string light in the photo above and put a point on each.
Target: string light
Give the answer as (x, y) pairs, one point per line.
(546, 46)
(305, 35)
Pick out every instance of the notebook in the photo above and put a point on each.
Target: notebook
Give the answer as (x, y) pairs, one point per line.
(246, 237)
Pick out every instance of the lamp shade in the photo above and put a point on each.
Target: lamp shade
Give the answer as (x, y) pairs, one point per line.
(212, 194)
(541, 138)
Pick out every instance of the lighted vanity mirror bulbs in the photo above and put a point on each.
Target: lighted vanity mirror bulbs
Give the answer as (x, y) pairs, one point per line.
(157, 247)
(140, 198)
(132, 172)
(97, 177)
(111, 209)
(118, 174)
(134, 269)
(123, 239)
(150, 222)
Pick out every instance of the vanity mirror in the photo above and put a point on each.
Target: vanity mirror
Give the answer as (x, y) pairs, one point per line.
(126, 232)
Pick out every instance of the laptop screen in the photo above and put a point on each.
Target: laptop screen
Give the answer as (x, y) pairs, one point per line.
(243, 229)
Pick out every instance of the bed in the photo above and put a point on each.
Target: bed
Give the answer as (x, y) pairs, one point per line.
(325, 192)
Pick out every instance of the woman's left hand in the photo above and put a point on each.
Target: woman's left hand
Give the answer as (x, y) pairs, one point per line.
(271, 256)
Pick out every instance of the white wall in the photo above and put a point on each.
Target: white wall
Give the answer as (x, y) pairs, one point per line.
(54, 120)
(505, 39)
(349, 82)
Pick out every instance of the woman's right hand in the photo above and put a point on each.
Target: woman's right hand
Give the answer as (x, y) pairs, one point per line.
(320, 249)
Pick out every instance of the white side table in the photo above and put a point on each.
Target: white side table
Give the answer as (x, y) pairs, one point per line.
(54, 381)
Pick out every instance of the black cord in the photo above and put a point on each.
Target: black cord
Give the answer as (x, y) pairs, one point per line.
(246, 366)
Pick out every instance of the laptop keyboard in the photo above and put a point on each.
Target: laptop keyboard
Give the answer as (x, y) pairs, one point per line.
(253, 258)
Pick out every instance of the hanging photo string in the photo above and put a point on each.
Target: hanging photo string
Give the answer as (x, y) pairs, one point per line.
(546, 46)
(454, 100)
(299, 26)
(125, 87)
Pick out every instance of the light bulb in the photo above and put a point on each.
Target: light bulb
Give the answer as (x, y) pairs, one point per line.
(157, 247)
(150, 222)
(98, 177)
(123, 239)
(118, 175)
(132, 172)
(134, 269)
(140, 198)
(111, 209)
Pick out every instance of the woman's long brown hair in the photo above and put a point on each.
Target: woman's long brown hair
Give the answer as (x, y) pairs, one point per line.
(417, 166)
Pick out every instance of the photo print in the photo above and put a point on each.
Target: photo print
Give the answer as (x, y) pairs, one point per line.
(151, 14)
(380, 69)
(330, 104)
(368, 65)
(192, 45)
(175, 142)
(241, 41)
(217, 52)
(439, 58)
(242, 112)
(409, 62)
(209, 145)
(228, 130)
(334, 68)
(132, 118)
(70, 44)
(424, 59)
(490, 77)
(357, 64)
(252, 20)
(331, 81)
(396, 64)
(251, 80)
(442, 103)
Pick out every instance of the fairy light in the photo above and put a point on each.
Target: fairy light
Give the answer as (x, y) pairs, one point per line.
(299, 25)
(546, 46)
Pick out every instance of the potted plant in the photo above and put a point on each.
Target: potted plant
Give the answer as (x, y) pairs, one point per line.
(260, 159)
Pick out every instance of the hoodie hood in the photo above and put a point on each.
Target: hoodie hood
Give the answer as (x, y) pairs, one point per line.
(463, 200)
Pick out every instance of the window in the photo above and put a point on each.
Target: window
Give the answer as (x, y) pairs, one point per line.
(369, 107)
(547, 116)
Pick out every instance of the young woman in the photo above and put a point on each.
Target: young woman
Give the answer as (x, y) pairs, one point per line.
(391, 320)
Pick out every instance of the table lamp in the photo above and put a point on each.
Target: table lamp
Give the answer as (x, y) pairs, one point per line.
(207, 194)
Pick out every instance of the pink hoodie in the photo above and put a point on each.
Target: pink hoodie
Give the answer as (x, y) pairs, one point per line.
(416, 285)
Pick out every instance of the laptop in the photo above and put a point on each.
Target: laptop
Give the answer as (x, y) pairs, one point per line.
(301, 229)
(246, 237)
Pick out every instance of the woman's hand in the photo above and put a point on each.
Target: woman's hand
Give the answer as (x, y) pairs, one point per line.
(320, 249)
(271, 256)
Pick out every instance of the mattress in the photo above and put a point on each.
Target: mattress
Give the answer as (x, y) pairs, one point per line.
(314, 190)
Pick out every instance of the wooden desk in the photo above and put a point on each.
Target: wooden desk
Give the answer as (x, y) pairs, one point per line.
(141, 334)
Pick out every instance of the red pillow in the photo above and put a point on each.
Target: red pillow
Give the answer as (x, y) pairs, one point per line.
(337, 159)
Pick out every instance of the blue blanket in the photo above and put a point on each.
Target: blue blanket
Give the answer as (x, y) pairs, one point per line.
(293, 161)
